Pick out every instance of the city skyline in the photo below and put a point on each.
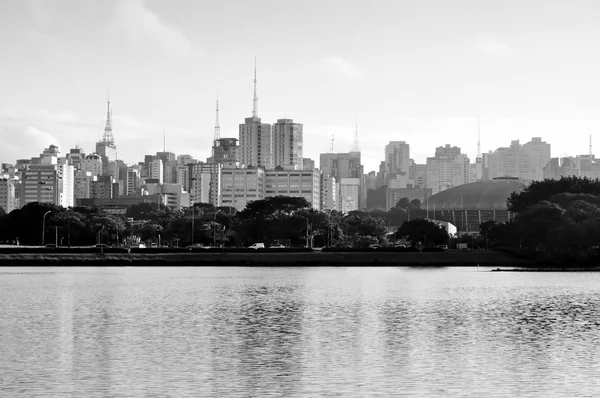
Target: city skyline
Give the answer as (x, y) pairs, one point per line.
(405, 72)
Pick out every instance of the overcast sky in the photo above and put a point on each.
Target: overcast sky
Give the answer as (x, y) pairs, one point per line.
(419, 71)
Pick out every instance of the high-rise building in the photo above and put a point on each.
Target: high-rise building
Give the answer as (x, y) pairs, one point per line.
(448, 168)
(93, 164)
(295, 183)
(397, 156)
(83, 187)
(106, 148)
(156, 171)
(103, 187)
(75, 156)
(349, 194)
(329, 193)
(48, 183)
(256, 141)
(132, 181)
(308, 164)
(7, 195)
(256, 144)
(204, 182)
(240, 186)
(287, 144)
(225, 150)
(525, 162)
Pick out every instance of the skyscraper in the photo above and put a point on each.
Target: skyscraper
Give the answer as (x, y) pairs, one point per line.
(256, 143)
(287, 144)
(106, 148)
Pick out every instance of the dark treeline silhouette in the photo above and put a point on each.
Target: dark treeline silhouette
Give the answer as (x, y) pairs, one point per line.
(287, 220)
(556, 221)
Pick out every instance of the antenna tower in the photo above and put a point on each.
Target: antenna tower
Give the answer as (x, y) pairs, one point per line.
(164, 141)
(478, 138)
(217, 125)
(590, 145)
(355, 147)
(255, 100)
(107, 138)
(332, 140)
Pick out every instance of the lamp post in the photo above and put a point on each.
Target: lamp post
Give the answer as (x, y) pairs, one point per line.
(44, 225)
(100, 240)
(193, 207)
(215, 228)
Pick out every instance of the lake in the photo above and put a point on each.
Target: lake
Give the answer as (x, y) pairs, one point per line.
(297, 332)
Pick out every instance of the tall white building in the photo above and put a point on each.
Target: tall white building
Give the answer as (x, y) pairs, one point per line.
(7, 195)
(526, 161)
(329, 193)
(349, 194)
(256, 141)
(447, 169)
(156, 170)
(287, 144)
(256, 144)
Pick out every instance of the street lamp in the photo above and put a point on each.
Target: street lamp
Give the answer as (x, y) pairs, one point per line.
(215, 227)
(44, 225)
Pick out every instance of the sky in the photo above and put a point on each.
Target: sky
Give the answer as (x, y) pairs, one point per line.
(419, 71)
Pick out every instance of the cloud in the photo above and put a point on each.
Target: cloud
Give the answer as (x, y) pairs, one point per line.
(342, 66)
(142, 25)
(494, 47)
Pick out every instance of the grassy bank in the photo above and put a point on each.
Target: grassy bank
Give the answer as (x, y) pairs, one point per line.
(304, 258)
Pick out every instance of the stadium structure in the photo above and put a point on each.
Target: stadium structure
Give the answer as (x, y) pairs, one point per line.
(468, 205)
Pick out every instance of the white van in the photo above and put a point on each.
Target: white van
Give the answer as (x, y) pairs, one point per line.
(257, 246)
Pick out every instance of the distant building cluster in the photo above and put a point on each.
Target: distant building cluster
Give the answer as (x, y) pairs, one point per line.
(267, 160)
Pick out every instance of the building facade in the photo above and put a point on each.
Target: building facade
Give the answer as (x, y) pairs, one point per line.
(295, 183)
(256, 144)
(287, 144)
(240, 186)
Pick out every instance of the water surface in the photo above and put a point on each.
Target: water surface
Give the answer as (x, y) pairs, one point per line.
(259, 332)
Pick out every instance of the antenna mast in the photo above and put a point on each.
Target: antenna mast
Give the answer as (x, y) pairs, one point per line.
(591, 145)
(478, 138)
(255, 100)
(164, 141)
(217, 125)
(108, 136)
(332, 140)
(355, 147)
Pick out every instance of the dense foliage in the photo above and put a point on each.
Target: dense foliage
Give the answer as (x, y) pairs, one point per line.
(287, 220)
(558, 219)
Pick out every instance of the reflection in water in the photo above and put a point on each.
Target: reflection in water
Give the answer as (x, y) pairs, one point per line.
(189, 332)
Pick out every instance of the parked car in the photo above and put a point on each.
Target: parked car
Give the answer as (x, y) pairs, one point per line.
(50, 246)
(277, 246)
(102, 245)
(375, 246)
(401, 246)
(445, 247)
(142, 246)
(257, 246)
(195, 245)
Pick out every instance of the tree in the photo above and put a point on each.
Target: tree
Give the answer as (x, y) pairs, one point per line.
(535, 222)
(539, 191)
(421, 230)
(403, 203)
(415, 203)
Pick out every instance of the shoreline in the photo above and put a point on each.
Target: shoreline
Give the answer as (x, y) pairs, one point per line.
(302, 258)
